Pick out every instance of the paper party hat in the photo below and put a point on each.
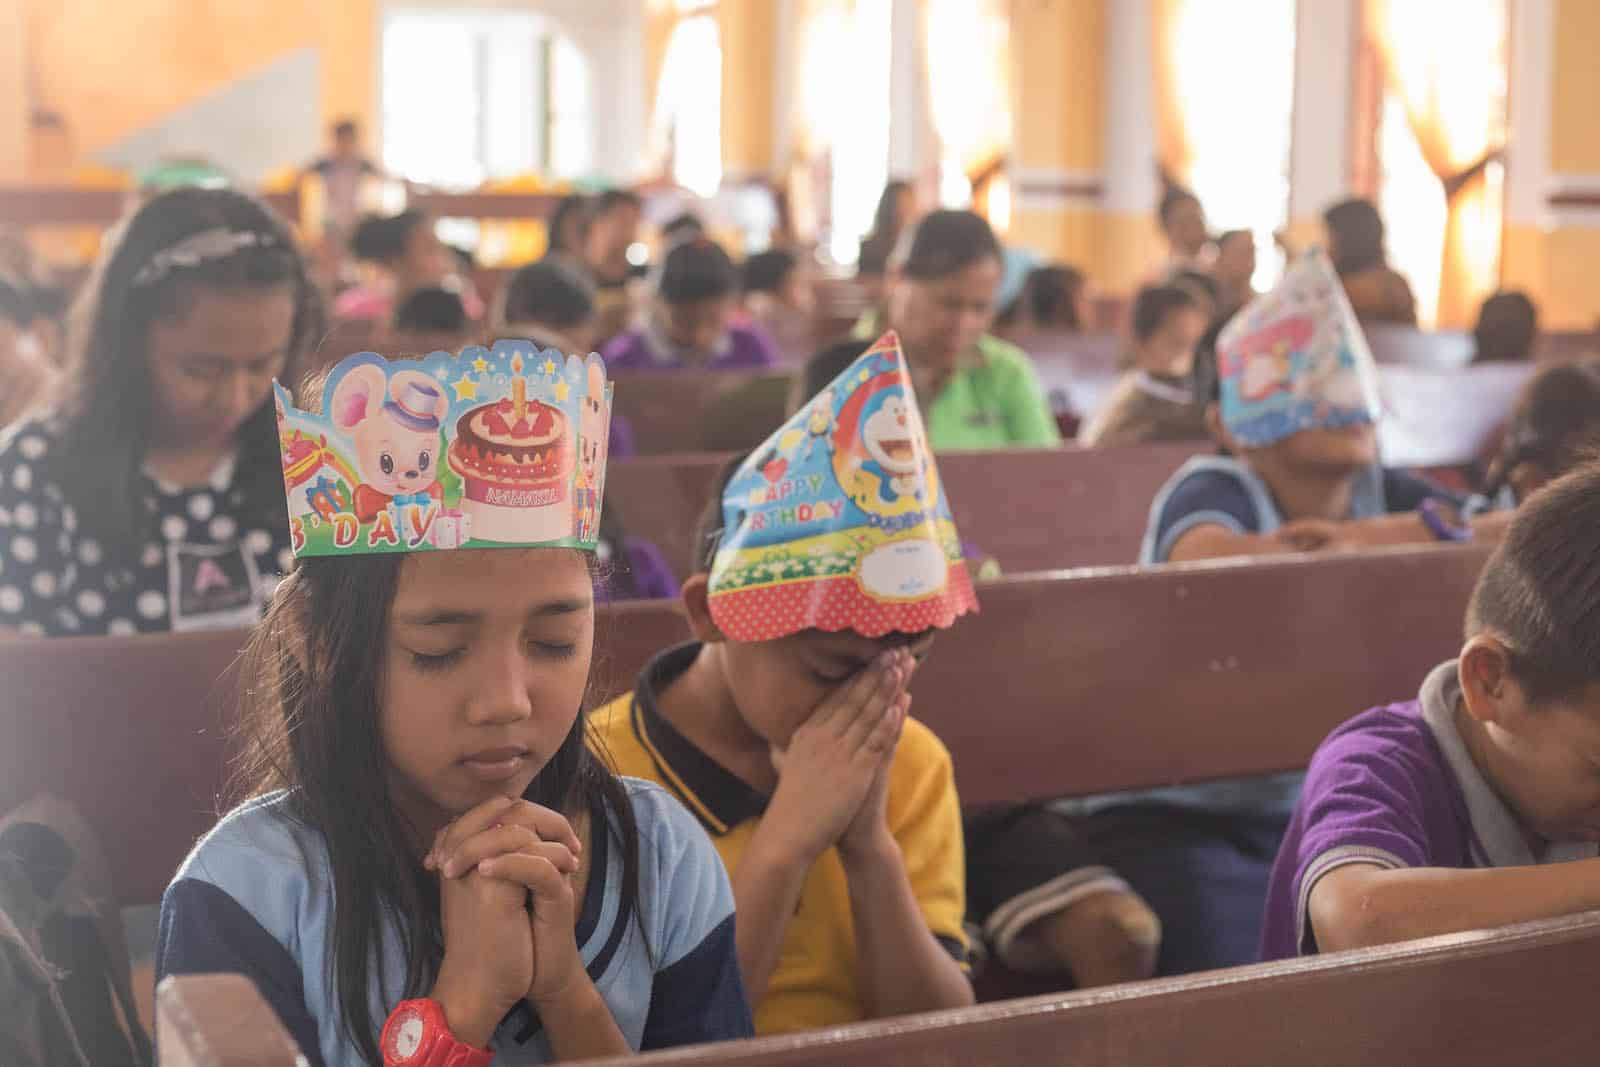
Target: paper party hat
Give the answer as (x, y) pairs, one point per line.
(496, 448)
(839, 521)
(1295, 359)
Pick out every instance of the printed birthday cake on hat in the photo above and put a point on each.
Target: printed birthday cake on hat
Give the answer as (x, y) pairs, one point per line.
(497, 447)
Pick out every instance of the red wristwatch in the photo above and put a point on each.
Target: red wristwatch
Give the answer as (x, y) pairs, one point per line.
(417, 1035)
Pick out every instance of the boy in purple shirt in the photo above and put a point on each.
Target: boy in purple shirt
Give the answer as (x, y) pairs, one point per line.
(1456, 811)
(690, 326)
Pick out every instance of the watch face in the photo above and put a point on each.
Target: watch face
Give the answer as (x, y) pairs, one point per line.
(405, 1037)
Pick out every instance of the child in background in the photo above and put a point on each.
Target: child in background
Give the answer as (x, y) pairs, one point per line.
(568, 230)
(1293, 410)
(785, 729)
(26, 375)
(551, 305)
(1288, 399)
(690, 324)
(1054, 299)
(404, 254)
(1377, 292)
(432, 319)
(1153, 402)
(150, 498)
(1183, 224)
(1508, 323)
(779, 298)
(430, 840)
(1477, 804)
(1556, 426)
(1234, 267)
(681, 228)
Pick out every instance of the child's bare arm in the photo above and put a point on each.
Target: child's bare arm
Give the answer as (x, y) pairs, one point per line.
(766, 891)
(1361, 905)
(1215, 541)
(900, 966)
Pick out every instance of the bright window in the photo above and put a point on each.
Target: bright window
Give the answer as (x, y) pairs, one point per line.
(845, 120)
(469, 97)
(1450, 89)
(969, 92)
(1233, 65)
(689, 103)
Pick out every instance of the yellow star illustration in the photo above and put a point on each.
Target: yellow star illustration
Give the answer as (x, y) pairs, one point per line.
(467, 387)
(550, 368)
(562, 389)
(480, 365)
(862, 377)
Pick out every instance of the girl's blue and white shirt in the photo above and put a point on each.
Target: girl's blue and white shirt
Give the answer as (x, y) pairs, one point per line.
(255, 897)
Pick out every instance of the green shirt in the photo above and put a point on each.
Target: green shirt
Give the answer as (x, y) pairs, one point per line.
(992, 401)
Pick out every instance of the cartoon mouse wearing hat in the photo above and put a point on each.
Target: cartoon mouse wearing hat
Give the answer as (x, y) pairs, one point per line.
(395, 425)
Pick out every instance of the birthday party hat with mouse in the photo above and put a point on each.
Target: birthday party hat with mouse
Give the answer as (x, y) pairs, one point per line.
(492, 448)
(1295, 359)
(839, 521)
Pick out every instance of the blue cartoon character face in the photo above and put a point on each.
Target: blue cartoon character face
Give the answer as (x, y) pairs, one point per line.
(881, 452)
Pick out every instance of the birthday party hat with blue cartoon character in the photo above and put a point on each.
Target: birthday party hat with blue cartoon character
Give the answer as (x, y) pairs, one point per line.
(839, 521)
(496, 448)
(1295, 359)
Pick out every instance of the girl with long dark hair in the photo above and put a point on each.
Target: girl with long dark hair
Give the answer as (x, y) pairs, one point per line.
(430, 867)
(149, 497)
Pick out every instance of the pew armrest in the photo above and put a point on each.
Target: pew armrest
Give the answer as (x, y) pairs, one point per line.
(219, 1020)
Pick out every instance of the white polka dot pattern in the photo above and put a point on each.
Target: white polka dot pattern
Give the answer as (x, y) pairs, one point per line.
(58, 578)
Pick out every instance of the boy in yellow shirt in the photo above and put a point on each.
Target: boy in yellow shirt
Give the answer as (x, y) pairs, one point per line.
(832, 559)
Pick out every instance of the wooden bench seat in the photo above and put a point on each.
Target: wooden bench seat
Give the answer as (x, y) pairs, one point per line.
(1066, 684)
(1520, 995)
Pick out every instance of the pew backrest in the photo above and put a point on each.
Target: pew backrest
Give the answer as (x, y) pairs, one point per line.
(1067, 684)
(1097, 681)
(699, 411)
(1516, 995)
(1029, 509)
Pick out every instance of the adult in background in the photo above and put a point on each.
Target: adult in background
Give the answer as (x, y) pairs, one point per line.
(976, 390)
(1377, 292)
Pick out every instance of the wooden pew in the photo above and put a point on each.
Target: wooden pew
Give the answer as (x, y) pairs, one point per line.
(219, 1020)
(1030, 509)
(483, 205)
(1087, 682)
(60, 205)
(1517, 995)
(703, 410)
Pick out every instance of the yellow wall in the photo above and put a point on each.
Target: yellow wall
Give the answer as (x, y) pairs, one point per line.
(1575, 73)
(748, 30)
(13, 94)
(111, 68)
(1058, 51)
(1557, 265)
(1059, 80)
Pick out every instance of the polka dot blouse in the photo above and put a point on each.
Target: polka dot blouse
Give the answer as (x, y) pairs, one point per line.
(193, 565)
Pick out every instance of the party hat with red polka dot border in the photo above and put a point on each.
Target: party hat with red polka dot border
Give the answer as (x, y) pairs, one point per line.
(491, 448)
(839, 520)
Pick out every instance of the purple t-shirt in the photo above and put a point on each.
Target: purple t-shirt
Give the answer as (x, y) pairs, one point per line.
(1394, 787)
(742, 348)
